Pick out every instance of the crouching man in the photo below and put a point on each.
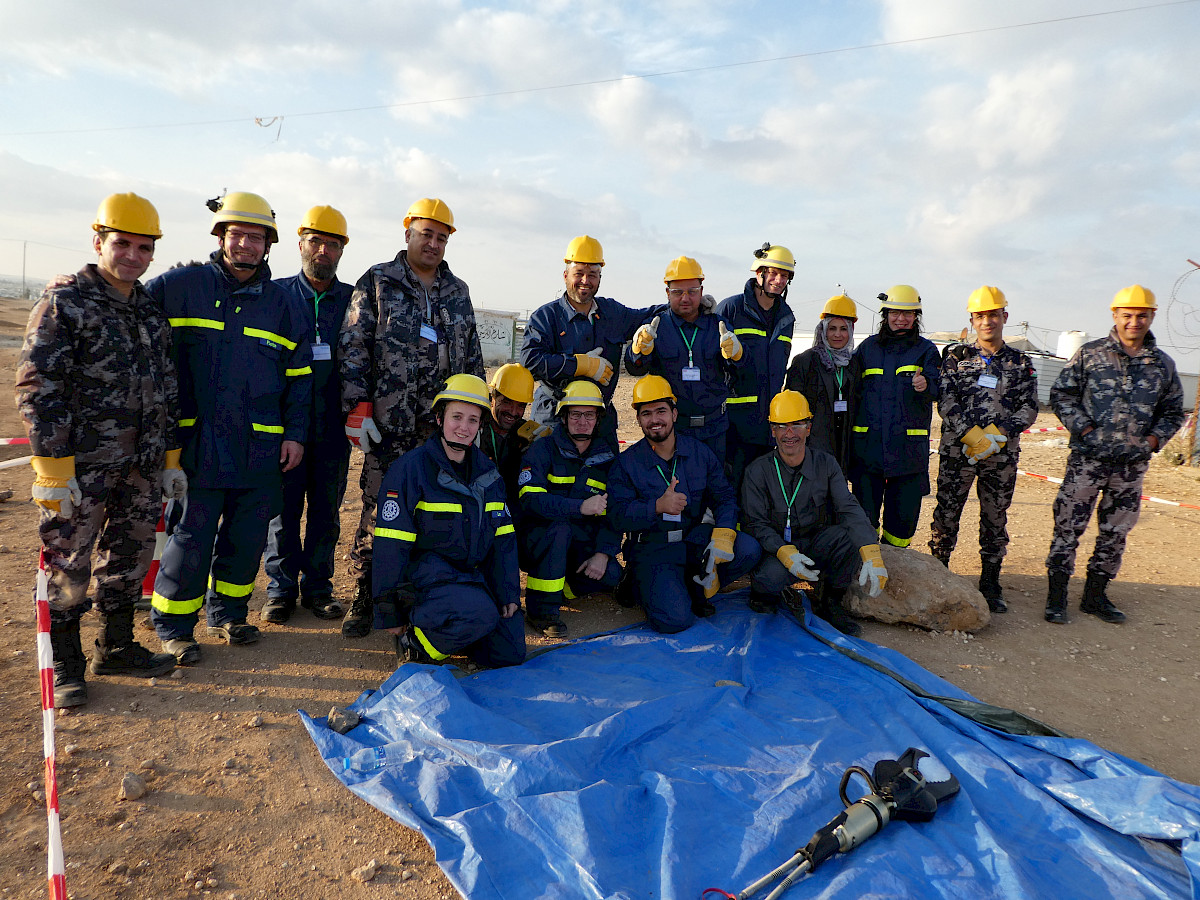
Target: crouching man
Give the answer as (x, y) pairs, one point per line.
(795, 503)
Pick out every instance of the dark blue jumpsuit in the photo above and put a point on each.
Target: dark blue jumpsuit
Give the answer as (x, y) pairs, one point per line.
(445, 556)
(684, 349)
(663, 555)
(245, 386)
(555, 536)
(305, 568)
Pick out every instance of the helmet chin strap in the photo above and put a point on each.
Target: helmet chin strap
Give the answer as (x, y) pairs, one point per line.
(762, 286)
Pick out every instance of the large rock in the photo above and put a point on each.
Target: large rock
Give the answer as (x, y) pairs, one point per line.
(922, 592)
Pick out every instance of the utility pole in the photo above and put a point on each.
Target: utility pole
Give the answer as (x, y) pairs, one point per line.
(24, 290)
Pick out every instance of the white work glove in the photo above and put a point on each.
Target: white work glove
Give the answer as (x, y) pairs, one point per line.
(731, 347)
(593, 365)
(797, 563)
(873, 570)
(360, 427)
(644, 338)
(531, 431)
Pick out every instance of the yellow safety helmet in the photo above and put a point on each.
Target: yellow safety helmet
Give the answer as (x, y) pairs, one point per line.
(244, 207)
(1134, 297)
(326, 220)
(513, 381)
(774, 256)
(900, 297)
(467, 388)
(580, 393)
(128, 213)
(650, 388)
(584, 249)
(986, 298)
(841, 306)
(682, 268)
(430, 208)
(789, 406)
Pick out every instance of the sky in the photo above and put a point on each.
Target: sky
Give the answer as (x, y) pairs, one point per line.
(1049, 147)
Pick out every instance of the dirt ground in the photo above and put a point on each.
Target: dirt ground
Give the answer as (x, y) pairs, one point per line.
(241, 806)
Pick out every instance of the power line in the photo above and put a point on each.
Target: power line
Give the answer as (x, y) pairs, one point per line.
(263, 121)
(40, 244)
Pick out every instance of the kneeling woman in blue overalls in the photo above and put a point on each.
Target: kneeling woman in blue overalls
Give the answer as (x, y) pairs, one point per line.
(445, 577)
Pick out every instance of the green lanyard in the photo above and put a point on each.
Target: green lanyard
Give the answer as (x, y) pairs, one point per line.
(839, 374)
(687, 343)
(317, 298)
(792, 499)
(674, 462)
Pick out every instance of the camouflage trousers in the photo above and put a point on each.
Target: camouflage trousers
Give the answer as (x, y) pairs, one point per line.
(995, 480)
(116, 518)
(1119, 487)
(375, 466)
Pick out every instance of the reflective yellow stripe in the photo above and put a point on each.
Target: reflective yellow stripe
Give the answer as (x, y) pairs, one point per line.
(549, 585)
(530, 489)
(753, 399)
(439, 507)
(784, 338)
(561, 479)
(270, 336)
(861, 428)
(429, 648)
(893, 540)
(757, 331)
(505, 529)
(568, 593)
(598, 485)
(230, 590)
(914, 432)
(292, 373)
(867, 372)
(395, 533)
(215, 324)
(494, 506)
(269, 429)
(176, 607)
(908, 369)
(186, 423)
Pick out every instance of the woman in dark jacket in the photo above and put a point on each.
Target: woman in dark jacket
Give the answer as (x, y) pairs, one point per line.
(828, 375)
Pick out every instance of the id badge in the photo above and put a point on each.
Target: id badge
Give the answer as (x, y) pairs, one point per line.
(841, 405)
(672, 517)
(321, 352)
(691, 373)
(787, 533)
(429, 333)
(988, 381)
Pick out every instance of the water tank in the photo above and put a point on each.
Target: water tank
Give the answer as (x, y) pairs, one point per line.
(1069, 342)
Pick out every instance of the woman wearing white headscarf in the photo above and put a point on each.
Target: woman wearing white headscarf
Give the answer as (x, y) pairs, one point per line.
(827, 376)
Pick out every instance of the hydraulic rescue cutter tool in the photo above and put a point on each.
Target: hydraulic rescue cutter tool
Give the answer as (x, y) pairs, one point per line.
(898, 791)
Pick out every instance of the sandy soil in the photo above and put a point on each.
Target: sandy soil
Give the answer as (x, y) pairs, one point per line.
(240, 805)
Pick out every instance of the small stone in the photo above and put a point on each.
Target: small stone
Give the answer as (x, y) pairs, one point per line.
(230, 763)
(216, 717)
(118, 868)
(177, 675)
(342, 720)
(407, 874)
(146, 765)
(70, 749)
(133, 787)
(255, 722)
(366, 873)
(210, 882)
(153, 682)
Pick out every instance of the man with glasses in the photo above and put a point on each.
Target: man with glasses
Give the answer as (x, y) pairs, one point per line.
(694, 350)
(245, 391)
(410, 326)
(302, 567)
(796, 504)
(567, 543)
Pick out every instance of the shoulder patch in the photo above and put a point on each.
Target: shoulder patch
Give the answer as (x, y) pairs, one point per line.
(390, 510)
(525, 477)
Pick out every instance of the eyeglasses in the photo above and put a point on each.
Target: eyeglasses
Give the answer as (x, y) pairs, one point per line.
(253, 238)
(679, 293)
(317, 243)
(794, 426)
(579, 415)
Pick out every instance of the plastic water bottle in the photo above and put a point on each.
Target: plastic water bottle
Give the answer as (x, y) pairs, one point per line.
(369, 759)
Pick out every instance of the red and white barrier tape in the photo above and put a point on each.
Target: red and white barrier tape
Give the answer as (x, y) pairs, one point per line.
(5, 442)
(1043, 430)
(1146, 497)
(56, 872)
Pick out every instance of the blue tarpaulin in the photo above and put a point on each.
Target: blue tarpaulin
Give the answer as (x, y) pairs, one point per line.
(638, 765)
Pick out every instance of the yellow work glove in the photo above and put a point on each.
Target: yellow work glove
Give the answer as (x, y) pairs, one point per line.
(644, 338)
(720, 545)
(995, 432)
(797, 563)
(531, 431)
(594, 366)
(873, 569)
(977, 444)
(174, 481)
(731, 347)
(709, 580)
(55, 488)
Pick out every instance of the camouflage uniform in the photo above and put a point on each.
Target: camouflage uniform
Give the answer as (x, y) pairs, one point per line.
(1125, 399)
(1012, 407)
(386, 361)
(95, 381)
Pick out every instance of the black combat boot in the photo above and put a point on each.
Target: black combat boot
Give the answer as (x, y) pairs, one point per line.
(762, 602)
(360, 618)
(623, 593)
(835, 612)
(989, 586)
(69, 665)
(702, 607)
(117, 653)
(1056, 597)
(1096, 602)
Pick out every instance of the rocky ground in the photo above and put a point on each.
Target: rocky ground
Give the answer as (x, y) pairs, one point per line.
(237, 803)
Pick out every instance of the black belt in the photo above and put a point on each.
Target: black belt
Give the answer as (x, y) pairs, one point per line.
(660, 537)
